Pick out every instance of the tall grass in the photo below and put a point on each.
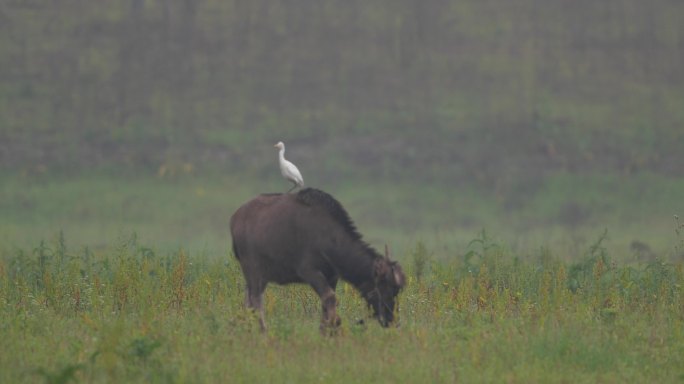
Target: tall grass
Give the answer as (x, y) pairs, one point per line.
(130, 313)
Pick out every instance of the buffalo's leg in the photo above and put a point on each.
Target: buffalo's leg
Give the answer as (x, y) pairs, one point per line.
(329, 307)
(254, 301)
(327, 294)
(332, 281)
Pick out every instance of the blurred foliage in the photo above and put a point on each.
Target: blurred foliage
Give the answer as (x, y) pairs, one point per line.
(552, 119)
(493, 92)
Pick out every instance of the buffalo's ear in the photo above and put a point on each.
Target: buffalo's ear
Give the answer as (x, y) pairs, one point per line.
(383, 270)
(399, 277)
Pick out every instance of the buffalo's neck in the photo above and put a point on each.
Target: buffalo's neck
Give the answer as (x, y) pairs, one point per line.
(354, 262)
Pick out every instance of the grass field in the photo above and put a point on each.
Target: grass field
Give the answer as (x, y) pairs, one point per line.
(131, 314)
(115, 279)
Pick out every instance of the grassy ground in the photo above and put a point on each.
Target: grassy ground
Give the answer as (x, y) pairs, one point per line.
(130, 313)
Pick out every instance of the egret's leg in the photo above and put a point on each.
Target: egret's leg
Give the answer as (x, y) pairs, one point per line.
(293, 187)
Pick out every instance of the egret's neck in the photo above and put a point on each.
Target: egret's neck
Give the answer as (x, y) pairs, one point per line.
(281, 154)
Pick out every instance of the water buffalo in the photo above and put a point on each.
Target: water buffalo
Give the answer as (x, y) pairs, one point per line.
(308, 237)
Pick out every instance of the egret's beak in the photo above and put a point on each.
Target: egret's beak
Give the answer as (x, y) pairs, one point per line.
(275, 146)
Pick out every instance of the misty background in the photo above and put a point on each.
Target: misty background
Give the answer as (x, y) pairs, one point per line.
(426, 119)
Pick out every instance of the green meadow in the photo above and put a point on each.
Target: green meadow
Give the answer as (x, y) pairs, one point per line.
(132, 313)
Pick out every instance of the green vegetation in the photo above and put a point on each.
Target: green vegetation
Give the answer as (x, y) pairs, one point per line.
(130, 313)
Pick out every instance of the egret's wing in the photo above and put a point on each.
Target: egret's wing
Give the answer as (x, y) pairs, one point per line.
(293, 173)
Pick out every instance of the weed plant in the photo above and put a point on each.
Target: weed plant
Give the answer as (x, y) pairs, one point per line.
(129, 313)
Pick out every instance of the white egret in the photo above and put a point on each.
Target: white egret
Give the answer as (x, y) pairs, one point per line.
(289, 170)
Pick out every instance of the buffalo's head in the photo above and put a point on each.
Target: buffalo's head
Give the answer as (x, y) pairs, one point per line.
(389, 279)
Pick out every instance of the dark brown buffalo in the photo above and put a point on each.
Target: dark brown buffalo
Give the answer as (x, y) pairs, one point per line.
(308, 237)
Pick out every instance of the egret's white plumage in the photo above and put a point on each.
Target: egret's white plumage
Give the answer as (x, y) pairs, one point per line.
(287, 169)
